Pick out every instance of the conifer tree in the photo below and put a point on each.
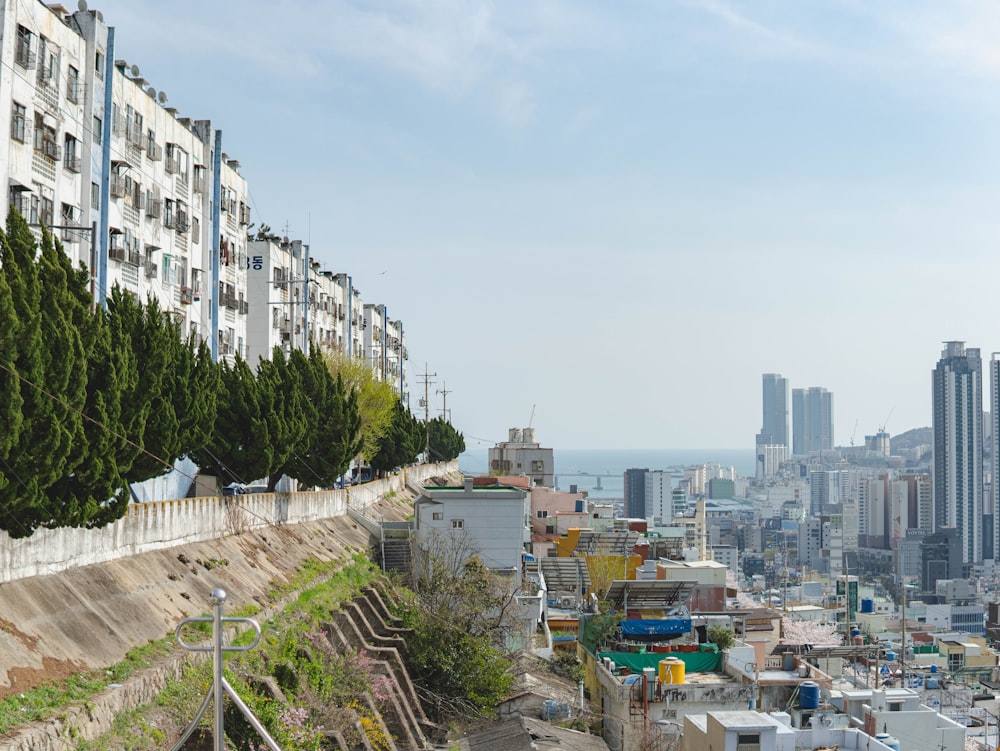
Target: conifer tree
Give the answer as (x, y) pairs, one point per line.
(403, 442)
(157, 345)
(444, 443)
(199, 397)
(239, 448)
(285, 410)
(96, 492)
(333, 433)
(47, 354)
(11, 403)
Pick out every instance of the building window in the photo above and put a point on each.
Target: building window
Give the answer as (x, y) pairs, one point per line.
(73, 85)
(748, 742)
(99, 65)
(438, 516)
(71, 153)
(458, 523)
(48, 62)
(543, 514)
(98, 130)
(45, 212)
(24, 55)
(18, 121)
(20, 199)
(537, 466)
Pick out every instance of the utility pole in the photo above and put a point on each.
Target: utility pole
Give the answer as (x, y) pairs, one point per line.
(427, 409)
(444, 396)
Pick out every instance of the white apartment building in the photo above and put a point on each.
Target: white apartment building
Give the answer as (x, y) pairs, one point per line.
(276, 283)
(146, 199)
(383, 346)
(659, 503)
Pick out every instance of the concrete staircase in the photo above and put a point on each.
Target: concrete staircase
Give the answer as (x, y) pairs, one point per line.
(366, 624)
(396, 541)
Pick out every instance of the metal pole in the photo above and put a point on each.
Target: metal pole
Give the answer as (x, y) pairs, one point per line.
(218, 598)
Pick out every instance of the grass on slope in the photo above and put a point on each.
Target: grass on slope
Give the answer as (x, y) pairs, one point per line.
(143, 729)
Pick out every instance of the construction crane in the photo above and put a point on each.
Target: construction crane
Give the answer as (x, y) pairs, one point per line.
(881, 428)
(855, 431)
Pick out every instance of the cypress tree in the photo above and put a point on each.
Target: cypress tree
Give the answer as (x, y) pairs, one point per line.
(286, 410)
(444, 443)
(333, 434)
(11, 403)
(239, 447)
(157, 344)
(95, 492)
(48, 356)
(402, 443)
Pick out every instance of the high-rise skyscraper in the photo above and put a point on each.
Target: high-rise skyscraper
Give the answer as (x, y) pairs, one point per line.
(812, 420)
(958, 446)
(774, 427)
(990, 514)
(635, 493)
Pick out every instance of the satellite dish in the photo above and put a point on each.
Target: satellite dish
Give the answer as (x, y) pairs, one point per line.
(82, 6)
(151, 92)
(162, 97)
(135, 71)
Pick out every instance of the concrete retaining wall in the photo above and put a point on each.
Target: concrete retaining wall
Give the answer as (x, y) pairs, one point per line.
(155, 525)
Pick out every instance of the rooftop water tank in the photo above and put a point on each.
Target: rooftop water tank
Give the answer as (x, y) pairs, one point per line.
(809, 695)
(672, 670)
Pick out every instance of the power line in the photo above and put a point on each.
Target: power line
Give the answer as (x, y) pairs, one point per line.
(427, 404)
(444, 391)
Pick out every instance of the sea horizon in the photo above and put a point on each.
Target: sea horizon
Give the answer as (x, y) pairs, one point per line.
(601, 471)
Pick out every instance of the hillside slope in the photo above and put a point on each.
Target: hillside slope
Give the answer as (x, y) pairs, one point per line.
(90, 617)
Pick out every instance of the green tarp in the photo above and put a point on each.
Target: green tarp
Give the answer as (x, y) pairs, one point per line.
(694, 662)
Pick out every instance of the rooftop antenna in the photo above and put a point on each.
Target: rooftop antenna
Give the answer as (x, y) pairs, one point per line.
(532, 418)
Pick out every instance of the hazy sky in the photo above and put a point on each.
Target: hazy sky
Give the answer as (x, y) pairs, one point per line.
(622, 213)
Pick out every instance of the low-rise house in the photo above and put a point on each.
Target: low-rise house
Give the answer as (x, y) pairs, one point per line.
(491, 522)
(746, 729)
(900, 713)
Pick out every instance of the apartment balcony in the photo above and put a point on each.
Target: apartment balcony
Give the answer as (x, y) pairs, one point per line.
(151, 270)
(51, 149)
(117, 186)
(73, 164)
(116, 253)
(154, 151)
(154, 208)
(172, 165)
(133, 258)
(186, 296)
(74, 92)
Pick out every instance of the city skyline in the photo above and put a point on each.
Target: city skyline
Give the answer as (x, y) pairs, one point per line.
(762, 189)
